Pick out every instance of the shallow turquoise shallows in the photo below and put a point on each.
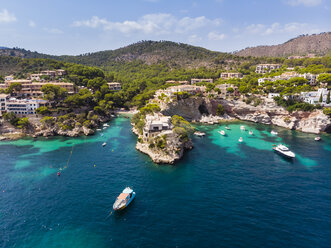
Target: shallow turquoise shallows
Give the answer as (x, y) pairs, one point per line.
(222, 194)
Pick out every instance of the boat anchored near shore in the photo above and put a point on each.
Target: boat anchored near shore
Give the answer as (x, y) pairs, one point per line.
(124, 199)
(199, 134)
(222, 132)
(284, 151)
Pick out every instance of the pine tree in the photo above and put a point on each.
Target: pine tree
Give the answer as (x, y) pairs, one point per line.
(321, 98)
(328, 98)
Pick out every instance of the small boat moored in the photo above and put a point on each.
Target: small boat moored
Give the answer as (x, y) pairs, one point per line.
(104, 144)
(284, 151)
(274, 132)
(317, 138)
(227, 128)
(250, 132)
(199, 134)
(240, 139)
(105, 125)
(124, 199)
(222, 132)
(242, 128)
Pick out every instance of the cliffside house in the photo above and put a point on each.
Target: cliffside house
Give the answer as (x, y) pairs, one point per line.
(23, 107)
(224, 90)
(33, 89)
(199, 80)
(313, 97)
(155, 124)
(228, 75)
(191, 89)
(8, 78)
(263, 68)
(3, 99)
(114, 86)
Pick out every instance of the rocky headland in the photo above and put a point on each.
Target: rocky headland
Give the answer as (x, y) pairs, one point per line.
(203, 109)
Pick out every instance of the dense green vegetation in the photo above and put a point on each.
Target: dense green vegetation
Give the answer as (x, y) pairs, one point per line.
(292, 105)
(144, 67)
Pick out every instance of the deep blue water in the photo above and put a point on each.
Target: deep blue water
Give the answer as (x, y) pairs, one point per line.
(222, 194)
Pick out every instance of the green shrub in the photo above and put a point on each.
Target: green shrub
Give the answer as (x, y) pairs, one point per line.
(220, 110)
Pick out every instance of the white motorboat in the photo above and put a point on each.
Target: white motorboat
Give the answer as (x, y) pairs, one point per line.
(227, 128)
(199, 134)
(317, 138)
(274, 132)
(250, 132)
(284, 151)
(105, 125)
(240, 139)
(124, 199)
(104, 144)
(222, 132)
(104, 128)
(98, 129)
(242, 128)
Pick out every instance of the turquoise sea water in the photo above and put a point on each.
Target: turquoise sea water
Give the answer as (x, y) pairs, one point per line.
(222, 194)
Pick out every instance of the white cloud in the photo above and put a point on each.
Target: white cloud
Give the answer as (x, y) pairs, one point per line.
(216, 36)
(308, 3)
(6, 17)
(32, 24)
(160, 23)
(53, 30)
(293, 28)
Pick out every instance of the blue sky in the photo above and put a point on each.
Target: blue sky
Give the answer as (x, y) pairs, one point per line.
(75, 27)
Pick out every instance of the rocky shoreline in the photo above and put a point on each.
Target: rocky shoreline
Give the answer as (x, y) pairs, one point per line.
(202, 109)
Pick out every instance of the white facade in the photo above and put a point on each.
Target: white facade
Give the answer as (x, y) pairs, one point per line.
(313, 97)
(114, 86)
(156, 124)
(199, 80)
(23, 107)
(263, 68)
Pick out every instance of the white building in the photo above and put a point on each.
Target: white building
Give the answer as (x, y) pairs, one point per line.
(9, 78)
(228, 75)
(3, 100)
(155, 124)
(199, 80)
(114, 86)
(23, 107)
(313, 97)
(263, 68)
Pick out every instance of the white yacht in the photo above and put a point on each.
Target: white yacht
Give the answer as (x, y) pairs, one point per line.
(242, 128)
(104, 144)
(222, 132)
(199, 134)
(124, 199)
(283, 150)
(274, 132)
(317, 138)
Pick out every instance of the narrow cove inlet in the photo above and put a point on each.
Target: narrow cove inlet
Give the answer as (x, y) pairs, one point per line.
(242, 193)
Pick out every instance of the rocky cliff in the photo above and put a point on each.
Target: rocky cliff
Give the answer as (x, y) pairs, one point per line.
(194, 108)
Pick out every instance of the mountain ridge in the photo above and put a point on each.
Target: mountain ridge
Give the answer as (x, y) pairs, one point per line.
(319, 44)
